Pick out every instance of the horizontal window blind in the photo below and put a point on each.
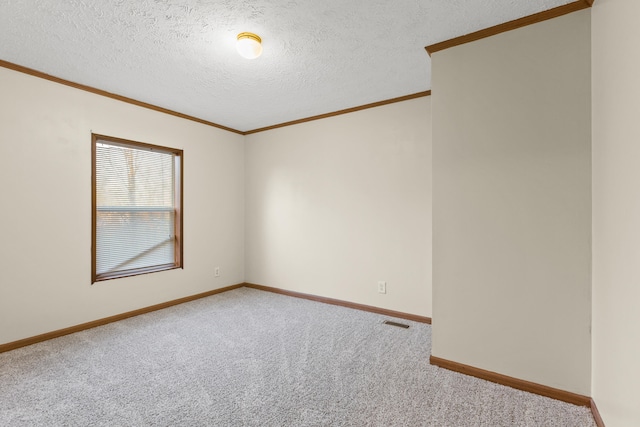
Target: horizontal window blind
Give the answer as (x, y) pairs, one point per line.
(135, 208)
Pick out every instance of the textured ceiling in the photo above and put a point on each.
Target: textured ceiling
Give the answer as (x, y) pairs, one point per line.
(319, 56)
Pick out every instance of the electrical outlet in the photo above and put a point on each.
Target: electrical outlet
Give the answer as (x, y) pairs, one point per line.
(382, 287)
(216, 271)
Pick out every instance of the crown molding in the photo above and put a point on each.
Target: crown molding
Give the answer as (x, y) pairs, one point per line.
(40, 74)
(340, 112)
(511, 25)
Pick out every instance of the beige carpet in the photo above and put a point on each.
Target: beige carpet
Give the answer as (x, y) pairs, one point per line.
(252, 358)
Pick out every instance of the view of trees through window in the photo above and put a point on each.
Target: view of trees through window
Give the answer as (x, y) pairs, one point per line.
(135, 208)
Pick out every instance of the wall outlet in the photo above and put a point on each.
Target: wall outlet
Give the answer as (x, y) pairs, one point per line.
(216, 271)
(382, 287)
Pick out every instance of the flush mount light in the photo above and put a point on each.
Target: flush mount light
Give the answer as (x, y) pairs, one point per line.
(249, 45)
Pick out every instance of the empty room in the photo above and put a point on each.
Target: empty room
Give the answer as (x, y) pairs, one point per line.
(296, 213)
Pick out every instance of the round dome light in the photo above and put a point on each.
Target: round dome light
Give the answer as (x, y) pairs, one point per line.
(249, 45)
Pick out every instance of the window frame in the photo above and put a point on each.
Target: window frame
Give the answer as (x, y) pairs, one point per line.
(178, 183)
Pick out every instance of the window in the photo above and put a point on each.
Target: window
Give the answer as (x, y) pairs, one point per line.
(137, 208)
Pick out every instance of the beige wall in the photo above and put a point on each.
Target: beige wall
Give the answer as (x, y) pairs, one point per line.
(336, 205)
(616, 211)
(511, 198)
(45, 174)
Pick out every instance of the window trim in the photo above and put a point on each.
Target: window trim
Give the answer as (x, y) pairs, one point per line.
(179, 208)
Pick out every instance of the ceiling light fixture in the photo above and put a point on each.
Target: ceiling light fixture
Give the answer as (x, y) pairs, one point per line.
(249, 45)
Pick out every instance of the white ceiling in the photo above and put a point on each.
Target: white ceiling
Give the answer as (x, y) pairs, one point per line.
(319, 56)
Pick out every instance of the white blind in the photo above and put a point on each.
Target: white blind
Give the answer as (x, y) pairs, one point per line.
(135, 212)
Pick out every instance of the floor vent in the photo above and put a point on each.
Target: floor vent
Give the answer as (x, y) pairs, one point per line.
(400, 325)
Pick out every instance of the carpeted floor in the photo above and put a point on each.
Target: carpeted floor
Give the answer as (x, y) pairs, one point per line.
(253, 358)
